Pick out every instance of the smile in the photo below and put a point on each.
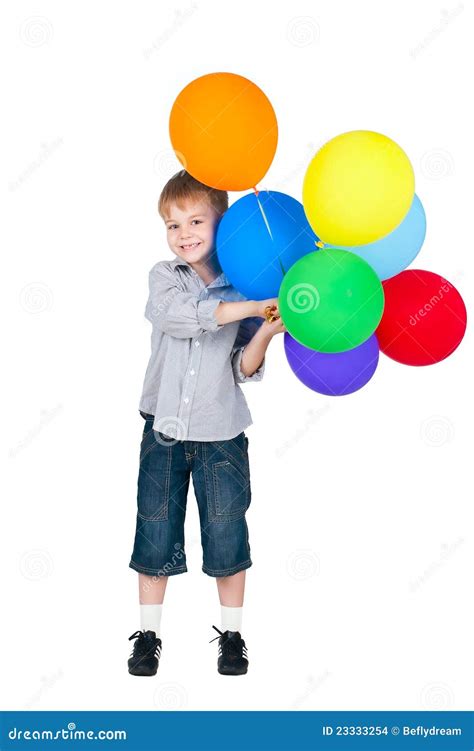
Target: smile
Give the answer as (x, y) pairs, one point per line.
(189, 247)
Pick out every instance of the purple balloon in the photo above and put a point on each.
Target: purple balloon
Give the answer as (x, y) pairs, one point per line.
(333, 373)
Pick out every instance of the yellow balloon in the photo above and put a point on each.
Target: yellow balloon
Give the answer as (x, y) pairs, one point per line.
(358, 188)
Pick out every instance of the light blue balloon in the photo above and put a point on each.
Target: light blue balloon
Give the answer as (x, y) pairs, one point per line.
(259, 238)
(396, 251)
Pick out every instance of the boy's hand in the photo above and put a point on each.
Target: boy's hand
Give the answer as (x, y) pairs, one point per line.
(272, 324)
(271, 303)
(270, 329)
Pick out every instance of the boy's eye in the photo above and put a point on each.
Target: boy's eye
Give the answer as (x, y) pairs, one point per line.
(198, 221)
(172, 226)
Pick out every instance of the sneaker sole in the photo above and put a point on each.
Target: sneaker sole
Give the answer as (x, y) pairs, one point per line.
(232, 672)
(142, 674)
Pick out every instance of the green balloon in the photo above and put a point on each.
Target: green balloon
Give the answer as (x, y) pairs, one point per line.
(331, 300)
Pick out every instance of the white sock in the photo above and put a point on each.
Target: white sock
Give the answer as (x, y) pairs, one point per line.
(150, 618)
(231, 618)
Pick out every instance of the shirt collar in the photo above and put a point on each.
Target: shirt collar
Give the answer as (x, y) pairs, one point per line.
(220, 281)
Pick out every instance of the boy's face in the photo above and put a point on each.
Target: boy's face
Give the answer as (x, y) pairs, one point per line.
(191, 230)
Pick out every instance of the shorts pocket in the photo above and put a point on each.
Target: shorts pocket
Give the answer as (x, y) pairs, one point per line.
(231, 490)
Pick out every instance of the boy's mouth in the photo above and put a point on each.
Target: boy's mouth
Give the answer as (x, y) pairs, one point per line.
(191, 246)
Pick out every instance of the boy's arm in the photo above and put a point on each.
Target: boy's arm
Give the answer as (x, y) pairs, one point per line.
(181, 314)
(248, 354)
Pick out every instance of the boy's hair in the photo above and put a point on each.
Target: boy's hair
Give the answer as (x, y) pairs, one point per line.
(183, 186)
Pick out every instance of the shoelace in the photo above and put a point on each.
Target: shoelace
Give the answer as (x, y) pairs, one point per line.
(231, 645)
(145, 645)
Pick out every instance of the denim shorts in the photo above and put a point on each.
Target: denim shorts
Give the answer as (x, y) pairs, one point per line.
(221, 480)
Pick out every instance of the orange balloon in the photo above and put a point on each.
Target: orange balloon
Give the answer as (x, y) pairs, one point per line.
(224, 131)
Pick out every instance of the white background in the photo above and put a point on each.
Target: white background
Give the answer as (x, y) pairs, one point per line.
(361, 515)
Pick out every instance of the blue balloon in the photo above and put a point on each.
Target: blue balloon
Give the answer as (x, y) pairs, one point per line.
(394, 252)
(259, 238)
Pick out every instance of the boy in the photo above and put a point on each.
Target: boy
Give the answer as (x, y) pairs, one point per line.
(206, 340)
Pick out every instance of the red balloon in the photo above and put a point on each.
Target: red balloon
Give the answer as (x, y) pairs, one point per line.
(424, 318)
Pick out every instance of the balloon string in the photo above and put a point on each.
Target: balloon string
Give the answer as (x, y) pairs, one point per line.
(268, 228)
(265, 219)
(282, 267)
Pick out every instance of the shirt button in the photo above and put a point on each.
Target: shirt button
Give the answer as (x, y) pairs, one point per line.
(192, 372)
(186, 400)
(196, 344)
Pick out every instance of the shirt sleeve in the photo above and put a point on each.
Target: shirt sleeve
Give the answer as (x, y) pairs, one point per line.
(176, 312)
(247, 328)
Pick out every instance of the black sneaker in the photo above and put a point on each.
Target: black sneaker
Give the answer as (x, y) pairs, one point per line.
(146, 653)
(232, 658)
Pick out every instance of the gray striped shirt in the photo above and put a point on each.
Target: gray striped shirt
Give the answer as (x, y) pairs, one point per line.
(193, 375)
